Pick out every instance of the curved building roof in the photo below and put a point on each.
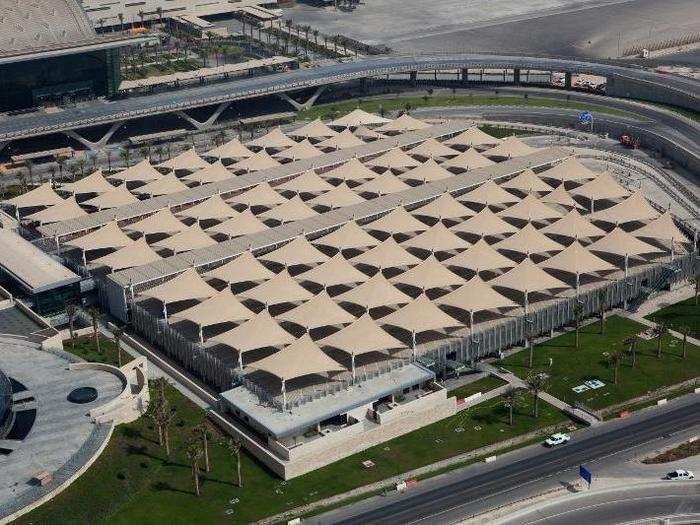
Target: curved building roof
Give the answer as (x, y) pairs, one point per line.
(38, 24)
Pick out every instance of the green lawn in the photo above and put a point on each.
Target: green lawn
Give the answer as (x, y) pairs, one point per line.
(679, 315)
(483, 385)
(572, 367)
(133, 482)
(85, 347)
(374, 105)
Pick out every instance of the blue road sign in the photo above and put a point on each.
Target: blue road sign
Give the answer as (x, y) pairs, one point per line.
(585, 474)
(585, 117)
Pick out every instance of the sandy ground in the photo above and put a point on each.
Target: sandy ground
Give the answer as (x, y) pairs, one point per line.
(557, 27)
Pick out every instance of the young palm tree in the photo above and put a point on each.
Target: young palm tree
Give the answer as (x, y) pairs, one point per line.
(578, 315)
(95, 315)
(234, 448)
(202, 431)
(165, 417)
(117, 334)
(614, 359)
(685, 330)
(631, 343)
(536, 383)
(194, 454)
(659, 332)
(602, 296)
(152, 413)
(71, 311)
(511, 399)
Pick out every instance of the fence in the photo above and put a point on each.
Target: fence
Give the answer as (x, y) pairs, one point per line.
(192, 356)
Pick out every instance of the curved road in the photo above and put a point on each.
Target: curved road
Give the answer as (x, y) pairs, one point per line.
(458, 496)
(635, 504)
(148, 105)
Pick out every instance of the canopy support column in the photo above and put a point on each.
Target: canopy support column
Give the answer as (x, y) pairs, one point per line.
(240, 360)
(284, 395)
(526, 303)
(413, 344)
(165, 311)
(84, 259)
(471, 324)
(578, 283)
(352, 359)
(201, 334)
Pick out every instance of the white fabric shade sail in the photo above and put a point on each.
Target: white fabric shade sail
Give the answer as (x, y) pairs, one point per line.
(509, 148)
(301, 358)
(295, 252)
(444, 207)
(292, 210)
(256, 162)
(397, 220)
(578, 260)
(437, 239)
(187, 161)
(223, 307)
(661, 228)
(365, 133)
(530, 209)
(484, 224)
(93, 183)
(570, 170)
(388, 254)
(527, 181)
(244, 268)
(274, 139)
(428, 275)
(260, 195)
(300, 150)
(619, 242)
(343, 140)
(105, 237)
(352, 170)
(137, 253)
(403, 124)
(244, 223)
(278, 290)
(338, 197)
(475, 296)
(348, 236)
(212, 173)
(213, 208)
(42, 195)
(162, 221)
(604, 186)
(561, 197)
(140, 172)
(318, 311)
(394, 159)
(420, 315)
(66, 210)
(634, 208)
(528, 240)
(573, 224)
(115, 198)
(384, 184)
(429, 171)
(373, 293)
(307, 182)
(480, 256)
(261, 331)
(316, 129)
(166, 185)
(359, 117)
(432, 149)
(467, 161)
(186, 286)
(231, 150)
(362, 337)
(337, 270)
(473, 137)
(490, 194)
(191, 238)
(527, 277)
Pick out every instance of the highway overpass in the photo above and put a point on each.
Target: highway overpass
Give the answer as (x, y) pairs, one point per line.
(623, 81)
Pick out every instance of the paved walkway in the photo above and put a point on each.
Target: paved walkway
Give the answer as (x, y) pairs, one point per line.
(60, 427)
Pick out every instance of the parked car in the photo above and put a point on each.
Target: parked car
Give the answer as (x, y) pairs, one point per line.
(680, 475)
(557, 439)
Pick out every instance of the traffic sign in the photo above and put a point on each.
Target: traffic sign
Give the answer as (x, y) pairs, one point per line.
(585, 474)
(585, 117)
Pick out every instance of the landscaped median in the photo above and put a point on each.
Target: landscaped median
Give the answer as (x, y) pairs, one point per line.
(134, 482)
(594, 362)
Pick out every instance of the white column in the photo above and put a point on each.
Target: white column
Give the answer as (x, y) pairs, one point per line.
(673, 255)
(526, 302)
(413, 342)
(58, 244)
(627, 258)
(284, 395)
(352, 358)
(578, 282)
(201, 334)
(165, 311)
(240, 360)
(84, 259)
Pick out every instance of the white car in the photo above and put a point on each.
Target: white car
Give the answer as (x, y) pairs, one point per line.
(680, 475)
(557, 439)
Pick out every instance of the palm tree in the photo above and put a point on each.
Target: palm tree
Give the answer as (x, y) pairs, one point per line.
(234, 448)
(95, 315)
(117, 334)
(602, 296)
(511, 399)
(81, 165)
(71, 311)
(614, 359)
(536, 383)
(109, 159)
(159, 12)
(120, 16)
(125, 155)
(631, 343)
(165, 417)
(60, 161)
(203, 432)
(142, 15)
(685, 330)
(194, 453)
(52, 174)
(152, 413)
(578, 315)
(659, 331)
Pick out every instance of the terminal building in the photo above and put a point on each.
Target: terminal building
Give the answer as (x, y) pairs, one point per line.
(50, 52)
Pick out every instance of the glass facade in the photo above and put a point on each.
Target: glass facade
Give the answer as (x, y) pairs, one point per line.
(60, 79)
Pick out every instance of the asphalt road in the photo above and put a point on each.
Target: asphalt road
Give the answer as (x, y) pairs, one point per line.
(587, 445)
(622, 505)
(148, 105)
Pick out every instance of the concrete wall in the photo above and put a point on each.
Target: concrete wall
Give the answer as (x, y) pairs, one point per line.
(627, 88)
